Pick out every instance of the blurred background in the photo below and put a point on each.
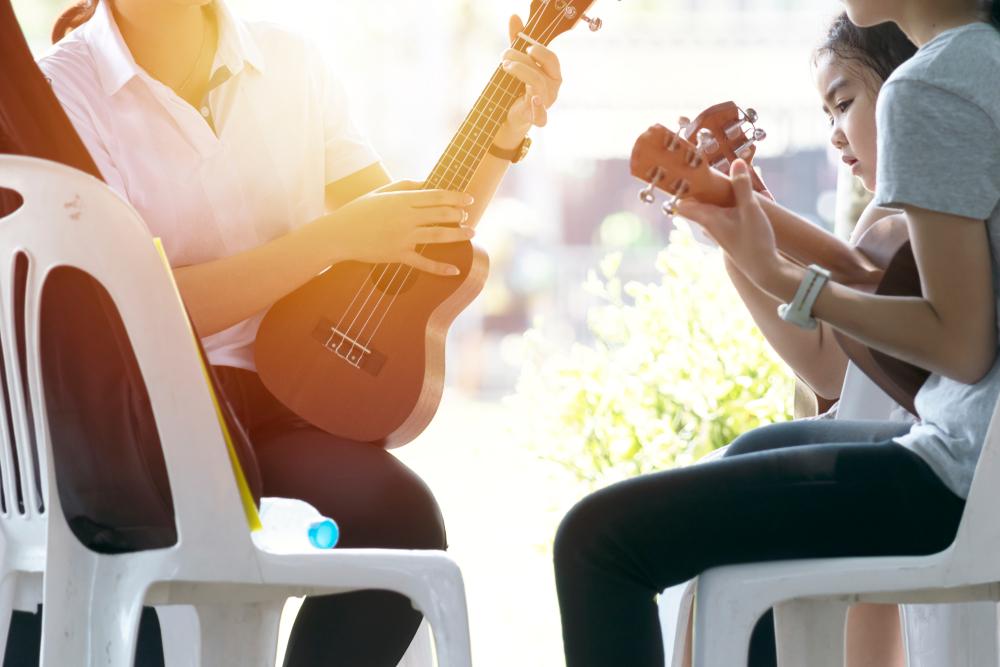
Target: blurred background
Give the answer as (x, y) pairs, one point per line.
(530, 422)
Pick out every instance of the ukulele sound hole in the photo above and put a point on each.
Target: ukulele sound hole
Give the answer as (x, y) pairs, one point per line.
(393, 278)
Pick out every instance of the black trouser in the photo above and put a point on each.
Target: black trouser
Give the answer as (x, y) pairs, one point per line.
(376, 500)
(782, 492)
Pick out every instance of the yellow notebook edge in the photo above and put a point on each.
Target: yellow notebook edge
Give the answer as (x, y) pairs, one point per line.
(246, 498)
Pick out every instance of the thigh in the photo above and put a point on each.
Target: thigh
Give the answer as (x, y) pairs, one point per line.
(376, 500)
(813, 432)
(795, 502)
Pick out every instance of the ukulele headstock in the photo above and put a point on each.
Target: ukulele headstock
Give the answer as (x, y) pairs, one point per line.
(551, 18)
(689, 162)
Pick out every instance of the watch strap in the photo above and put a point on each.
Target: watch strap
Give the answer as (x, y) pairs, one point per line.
(514, 155)
(799, 311)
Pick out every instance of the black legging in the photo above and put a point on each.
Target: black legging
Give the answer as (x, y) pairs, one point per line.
(376, 500)
(781, 492)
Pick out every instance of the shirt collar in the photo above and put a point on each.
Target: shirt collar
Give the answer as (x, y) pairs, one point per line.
(116, 66)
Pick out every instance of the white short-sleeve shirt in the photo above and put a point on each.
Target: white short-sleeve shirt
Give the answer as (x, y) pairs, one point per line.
(246, 166)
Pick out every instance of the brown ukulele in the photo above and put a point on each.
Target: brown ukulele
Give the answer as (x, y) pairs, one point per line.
(359, 350)
(882, 262)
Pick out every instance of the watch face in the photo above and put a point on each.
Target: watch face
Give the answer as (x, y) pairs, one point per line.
(523, 150)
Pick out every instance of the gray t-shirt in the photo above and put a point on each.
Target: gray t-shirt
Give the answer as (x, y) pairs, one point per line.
(939, 149)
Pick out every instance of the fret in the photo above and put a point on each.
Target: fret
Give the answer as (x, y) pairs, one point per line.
(468, 147)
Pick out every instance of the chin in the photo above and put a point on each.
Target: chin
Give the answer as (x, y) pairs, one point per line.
(865, 13)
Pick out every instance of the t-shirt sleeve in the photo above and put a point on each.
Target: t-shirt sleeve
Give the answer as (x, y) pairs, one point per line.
(77, 110)
(936, 150)
(347, 150)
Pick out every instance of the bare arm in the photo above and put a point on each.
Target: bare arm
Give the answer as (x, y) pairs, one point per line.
(814, 355)
(223, 292)
(950, 330)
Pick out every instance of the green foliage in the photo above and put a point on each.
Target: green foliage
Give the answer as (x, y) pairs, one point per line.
(677, 369)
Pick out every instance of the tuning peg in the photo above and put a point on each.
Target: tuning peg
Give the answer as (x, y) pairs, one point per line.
(751, 115)
(594, 23)
(674, 142)
(706, 141)
(669, 207)
(759, 134)
(647, 194)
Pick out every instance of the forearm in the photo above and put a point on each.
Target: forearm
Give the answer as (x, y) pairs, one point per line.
(814, 355)
(491, 172)
(223, 292)
(909, 328)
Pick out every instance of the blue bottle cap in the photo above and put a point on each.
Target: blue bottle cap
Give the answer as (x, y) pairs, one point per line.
(324, 534)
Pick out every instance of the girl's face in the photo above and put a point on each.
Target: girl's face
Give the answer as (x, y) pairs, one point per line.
(848, 92)
(866, 13)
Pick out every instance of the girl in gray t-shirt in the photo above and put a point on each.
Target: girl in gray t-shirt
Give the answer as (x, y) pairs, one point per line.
(832, 489)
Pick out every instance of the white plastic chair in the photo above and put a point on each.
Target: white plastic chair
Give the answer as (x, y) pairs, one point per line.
(92, 601)
(811, 596)
(934, 635)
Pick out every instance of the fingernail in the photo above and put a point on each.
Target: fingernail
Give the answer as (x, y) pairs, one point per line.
(453, 271)
(507, 64)
(469, 199)
(536, 100)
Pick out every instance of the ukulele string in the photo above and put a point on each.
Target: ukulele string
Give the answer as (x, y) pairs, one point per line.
(354, 339)
(505, 91)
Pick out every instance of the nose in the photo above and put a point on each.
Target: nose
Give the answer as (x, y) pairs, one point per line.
(837, 136)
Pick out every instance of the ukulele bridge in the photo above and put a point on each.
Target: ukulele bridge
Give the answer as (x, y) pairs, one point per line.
(348, 348)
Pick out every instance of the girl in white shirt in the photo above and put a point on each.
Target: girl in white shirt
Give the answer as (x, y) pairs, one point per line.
(235, 143)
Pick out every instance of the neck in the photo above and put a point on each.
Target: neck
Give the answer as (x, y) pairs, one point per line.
(924, 20)
(159, 23)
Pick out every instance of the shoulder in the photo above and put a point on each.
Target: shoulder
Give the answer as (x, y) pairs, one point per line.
(69, 63)
(961, 64)
(283, 47)
(872, 214)
(71, 70)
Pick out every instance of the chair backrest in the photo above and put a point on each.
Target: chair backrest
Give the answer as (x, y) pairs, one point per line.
(70, 219)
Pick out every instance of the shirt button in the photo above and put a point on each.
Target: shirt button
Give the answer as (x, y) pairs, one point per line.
(205, 112)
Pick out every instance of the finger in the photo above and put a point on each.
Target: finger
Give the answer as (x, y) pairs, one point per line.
(548, 61)
(520, 113)
(707, 215)
(438, 215)
(428, 198)
(418, 261)
(515, 26)
(424, 235)
(742, 185)
(529, 74)
(539, 116)
(400, 186)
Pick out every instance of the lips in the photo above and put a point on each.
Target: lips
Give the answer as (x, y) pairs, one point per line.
(849, 161)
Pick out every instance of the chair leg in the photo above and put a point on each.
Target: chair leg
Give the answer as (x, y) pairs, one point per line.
(443, 605)
(957, 635)
(724, 622)
(8, 587)
(810, 633)
(181, 634)
(240, 634)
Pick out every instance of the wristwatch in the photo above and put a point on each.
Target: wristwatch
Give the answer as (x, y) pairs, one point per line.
(515, 154)
(799, 311)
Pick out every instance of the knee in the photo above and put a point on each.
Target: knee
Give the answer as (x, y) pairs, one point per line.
(580, 533)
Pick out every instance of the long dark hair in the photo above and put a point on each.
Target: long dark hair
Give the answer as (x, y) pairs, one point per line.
(881, 48)
(72, 18)
(995, 14)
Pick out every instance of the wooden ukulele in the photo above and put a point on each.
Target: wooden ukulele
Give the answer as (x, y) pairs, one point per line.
(359, 350)
(882, 262)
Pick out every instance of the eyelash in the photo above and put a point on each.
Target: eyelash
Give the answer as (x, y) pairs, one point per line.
(841, 107)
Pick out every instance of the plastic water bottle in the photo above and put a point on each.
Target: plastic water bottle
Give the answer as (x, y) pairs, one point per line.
(294, 526)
